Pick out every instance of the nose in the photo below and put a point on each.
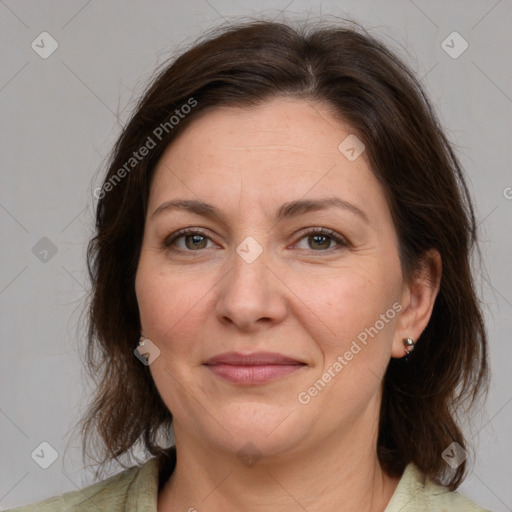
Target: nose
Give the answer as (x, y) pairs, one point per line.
(251, 295)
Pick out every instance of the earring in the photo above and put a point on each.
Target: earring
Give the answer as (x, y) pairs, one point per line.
(408, 345)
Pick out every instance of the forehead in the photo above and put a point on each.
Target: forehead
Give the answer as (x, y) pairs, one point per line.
(284, 147)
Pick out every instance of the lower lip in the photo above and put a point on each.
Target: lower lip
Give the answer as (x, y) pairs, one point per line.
(253, 374)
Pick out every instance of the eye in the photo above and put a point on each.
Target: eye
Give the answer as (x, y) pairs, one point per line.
(315, 239)
(187, 240)
(321, 240)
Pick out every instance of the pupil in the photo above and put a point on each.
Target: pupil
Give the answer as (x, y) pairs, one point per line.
(320, 238)
(196, 240)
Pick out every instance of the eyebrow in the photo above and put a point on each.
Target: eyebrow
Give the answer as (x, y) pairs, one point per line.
(287, 210)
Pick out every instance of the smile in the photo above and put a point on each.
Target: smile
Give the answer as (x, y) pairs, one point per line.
(253, 374)
(252, 369)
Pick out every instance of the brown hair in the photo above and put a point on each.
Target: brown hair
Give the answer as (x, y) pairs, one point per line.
(366, 85)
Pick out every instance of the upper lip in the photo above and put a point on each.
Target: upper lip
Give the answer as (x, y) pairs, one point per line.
(256, 358)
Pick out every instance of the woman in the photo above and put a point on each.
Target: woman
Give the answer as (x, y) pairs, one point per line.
(283, 242)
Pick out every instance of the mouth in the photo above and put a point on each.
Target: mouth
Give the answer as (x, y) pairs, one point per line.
(252, 369)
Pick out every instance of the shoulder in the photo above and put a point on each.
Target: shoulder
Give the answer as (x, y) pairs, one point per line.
(417, 493)
(112, 494)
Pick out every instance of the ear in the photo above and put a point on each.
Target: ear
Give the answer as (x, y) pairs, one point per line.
(418, 297)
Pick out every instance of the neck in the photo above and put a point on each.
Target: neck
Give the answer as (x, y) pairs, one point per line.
(338, 475)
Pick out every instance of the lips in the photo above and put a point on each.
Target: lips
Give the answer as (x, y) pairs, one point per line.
(251, 369)
(257, 358)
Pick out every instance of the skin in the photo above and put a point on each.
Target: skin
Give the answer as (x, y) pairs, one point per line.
(304, 299)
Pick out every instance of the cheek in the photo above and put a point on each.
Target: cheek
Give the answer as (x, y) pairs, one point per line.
(361, 312)
(172, 308)
(161, 301)
(349, 301)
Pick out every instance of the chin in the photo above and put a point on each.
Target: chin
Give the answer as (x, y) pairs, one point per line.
(260, 430)
(258, 445)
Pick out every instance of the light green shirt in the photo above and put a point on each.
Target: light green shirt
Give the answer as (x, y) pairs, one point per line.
(136, 490)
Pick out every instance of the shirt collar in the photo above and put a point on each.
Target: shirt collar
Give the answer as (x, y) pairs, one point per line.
(142, 495)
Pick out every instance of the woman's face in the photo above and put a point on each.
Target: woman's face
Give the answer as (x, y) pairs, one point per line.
(252, 272)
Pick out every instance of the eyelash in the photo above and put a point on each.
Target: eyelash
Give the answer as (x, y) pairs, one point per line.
(342, 242)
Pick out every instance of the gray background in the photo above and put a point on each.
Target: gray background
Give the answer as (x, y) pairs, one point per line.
(59, 118)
